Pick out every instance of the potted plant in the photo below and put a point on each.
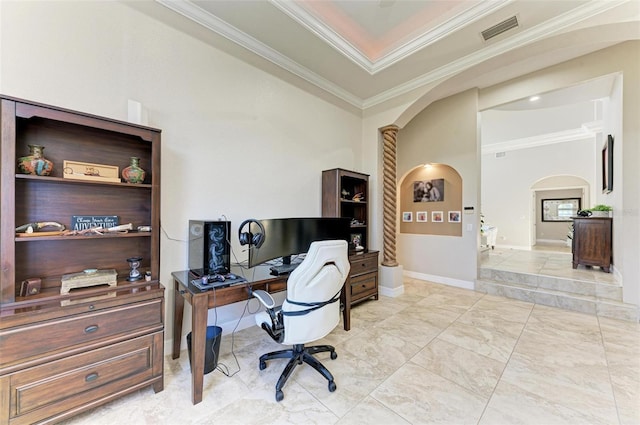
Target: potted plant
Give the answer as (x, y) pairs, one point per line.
(601, 210)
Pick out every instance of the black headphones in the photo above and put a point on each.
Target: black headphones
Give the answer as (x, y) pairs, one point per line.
(248, 238)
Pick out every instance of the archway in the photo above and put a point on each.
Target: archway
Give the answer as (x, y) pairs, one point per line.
(553, 229)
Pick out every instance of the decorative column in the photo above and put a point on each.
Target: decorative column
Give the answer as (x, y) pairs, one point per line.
(389, 196)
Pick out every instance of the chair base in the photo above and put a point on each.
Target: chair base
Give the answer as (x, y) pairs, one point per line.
(300, 354)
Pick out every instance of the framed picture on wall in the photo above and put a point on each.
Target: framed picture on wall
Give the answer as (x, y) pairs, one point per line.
(428, 190)
(421, 216)
(454, 217)
(437, 216)
(407, 216)
(560, 209)
(607, 165)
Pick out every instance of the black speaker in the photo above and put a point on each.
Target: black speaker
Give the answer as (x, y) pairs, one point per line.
(248, 238)
(209, 247)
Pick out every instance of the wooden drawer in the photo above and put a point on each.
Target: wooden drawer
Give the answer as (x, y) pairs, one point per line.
(364, 264)
(39, 339)
(364, 286)
(50, 389)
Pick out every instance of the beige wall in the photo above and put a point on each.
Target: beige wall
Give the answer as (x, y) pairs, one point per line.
(451, 201)
(236, 141)
(446, 132)
(234, 135)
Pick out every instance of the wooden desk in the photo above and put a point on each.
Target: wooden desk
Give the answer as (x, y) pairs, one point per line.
(201, 301)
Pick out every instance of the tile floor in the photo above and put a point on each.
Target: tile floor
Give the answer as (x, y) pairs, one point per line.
(552, 261)
(434, 355)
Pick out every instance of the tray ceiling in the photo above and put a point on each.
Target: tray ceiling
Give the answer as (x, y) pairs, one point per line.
(366, 52)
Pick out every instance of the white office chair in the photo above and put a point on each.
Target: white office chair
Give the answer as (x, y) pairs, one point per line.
(310, 312)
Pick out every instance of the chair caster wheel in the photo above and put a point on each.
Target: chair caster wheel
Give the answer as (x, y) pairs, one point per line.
(332, 386)
(279, 395)
(263, 365)
(334, 355)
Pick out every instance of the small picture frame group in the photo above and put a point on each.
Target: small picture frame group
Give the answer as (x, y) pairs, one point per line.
(436, 216)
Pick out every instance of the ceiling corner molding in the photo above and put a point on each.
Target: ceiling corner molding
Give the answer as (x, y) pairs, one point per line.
(586, 131)
(309, 21)
(335, 40)
(549, 28)
(191, 11)
(469, 16)
(217, 25)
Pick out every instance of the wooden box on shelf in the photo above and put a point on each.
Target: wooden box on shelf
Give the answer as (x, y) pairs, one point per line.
(66, 351)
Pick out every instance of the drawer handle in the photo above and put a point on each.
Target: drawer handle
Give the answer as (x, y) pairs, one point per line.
(91, 377)
(90, 329)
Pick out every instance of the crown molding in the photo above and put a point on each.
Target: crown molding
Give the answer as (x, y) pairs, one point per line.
(551, 27)
(217, 25)
(335, 40)
(586, 131)
(521, 39)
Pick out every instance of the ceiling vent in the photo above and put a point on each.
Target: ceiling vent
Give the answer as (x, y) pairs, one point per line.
(498, 29)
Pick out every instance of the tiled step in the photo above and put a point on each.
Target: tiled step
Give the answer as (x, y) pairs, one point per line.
(599, 290)
(589, 304)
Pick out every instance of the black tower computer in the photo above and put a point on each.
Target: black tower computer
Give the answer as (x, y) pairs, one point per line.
(209, 247)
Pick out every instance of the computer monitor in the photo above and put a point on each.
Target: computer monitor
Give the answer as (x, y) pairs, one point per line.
(285, 237)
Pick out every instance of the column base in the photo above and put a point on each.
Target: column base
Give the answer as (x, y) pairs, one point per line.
(390, 281)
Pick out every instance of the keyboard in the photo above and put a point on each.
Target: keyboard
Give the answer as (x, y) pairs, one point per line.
(283, 269)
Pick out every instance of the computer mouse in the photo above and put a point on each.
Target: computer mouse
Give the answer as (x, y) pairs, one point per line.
(231, 276)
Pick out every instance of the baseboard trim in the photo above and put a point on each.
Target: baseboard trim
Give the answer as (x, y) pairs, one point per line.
(458, 283)
(391, 292)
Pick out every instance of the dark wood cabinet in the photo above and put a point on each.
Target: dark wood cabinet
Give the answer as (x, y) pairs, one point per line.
(592, 242)
(362, 283)
(346, 194)
(66, 350)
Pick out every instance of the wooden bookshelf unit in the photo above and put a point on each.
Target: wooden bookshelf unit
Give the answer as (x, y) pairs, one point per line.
(346, 194)
(64, 351)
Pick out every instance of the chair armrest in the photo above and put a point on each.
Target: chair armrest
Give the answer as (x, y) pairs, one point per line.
(265, 298)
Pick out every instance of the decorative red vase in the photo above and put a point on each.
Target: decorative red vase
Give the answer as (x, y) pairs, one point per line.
(133, 173)
(35, 163)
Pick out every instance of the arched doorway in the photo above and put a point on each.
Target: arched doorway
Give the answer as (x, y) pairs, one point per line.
(551, 228)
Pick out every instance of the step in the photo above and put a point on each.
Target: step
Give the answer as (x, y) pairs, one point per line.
(599, 290)
(569, 301)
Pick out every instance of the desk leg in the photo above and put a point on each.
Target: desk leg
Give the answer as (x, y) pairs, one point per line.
(200, 306)
(178, 310)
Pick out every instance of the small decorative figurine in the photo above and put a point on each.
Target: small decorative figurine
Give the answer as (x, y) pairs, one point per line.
(35, 162)
(133, 173)
(134, 274)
